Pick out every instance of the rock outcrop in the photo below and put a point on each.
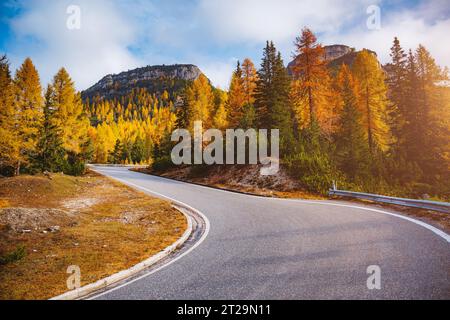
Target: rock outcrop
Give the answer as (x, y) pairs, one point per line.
(335, 55)
(154, 78)
(336, 51)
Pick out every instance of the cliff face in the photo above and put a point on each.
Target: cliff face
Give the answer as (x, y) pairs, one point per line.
(336, 51)
(335, 55)
(155, 79)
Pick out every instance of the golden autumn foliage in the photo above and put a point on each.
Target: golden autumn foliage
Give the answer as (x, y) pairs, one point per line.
(311, 90)
(249, 80)
(200, 102)
(373, 95)
(365, 124)
(220, 119)
(350, 136)
(241, 94)
(10, 146)
(151, 131)
(28, 104)
(69, 115)
(142, 124)
(236, 98)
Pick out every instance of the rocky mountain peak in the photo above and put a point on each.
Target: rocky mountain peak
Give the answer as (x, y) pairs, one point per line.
(335, 55)
(153, 78)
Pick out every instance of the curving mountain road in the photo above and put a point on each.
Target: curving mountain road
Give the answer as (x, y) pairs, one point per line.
(265, 248)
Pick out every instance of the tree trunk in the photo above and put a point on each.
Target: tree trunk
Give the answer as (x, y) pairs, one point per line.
(369, 121)
(312, 109)
(18, 168)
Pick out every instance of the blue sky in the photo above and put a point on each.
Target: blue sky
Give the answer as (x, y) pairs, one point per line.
(117, 35)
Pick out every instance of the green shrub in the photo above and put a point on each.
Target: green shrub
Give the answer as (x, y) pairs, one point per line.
(162, 163)
(18, 254)
(74, 164)
(314, 171)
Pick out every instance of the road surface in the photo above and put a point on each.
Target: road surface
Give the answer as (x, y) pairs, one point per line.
(265, 248)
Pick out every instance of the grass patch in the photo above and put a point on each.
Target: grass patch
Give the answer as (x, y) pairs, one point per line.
(13, 256)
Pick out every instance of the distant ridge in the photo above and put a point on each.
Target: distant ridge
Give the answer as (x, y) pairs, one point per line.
(155, 79)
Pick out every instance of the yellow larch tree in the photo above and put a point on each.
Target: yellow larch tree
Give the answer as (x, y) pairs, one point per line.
(69, 115)
(249, 79)
(9, 148)
(220, 120)
(311, 91)
(200, 102)
(373, 94)
(28, 103)
(236, 98)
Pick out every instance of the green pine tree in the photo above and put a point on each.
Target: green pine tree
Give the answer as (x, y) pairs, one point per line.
(397, 95)
(351, 144)
(138, 151)
(249, 117)
(28, 103)
(69, 114)
(264, 85)
(49, 152)
(9, 147)
(272, 103)
(281, 112)
(429, 144)
(116, 153)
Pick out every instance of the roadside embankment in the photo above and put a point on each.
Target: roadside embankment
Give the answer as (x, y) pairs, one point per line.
(48, 223)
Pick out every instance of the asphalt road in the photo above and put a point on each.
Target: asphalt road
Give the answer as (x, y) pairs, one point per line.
(265, 248)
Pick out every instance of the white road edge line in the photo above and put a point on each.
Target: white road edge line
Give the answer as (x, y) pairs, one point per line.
(205, 234)
(435, 230)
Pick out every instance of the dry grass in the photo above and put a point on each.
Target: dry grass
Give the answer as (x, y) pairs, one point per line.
(241, 178)
(105, 227)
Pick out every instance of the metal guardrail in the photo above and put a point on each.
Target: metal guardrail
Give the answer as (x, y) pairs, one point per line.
(422, 204)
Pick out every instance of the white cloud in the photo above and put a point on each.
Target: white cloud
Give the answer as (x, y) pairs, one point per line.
(98, 48)
(411, 27)
(209, 33)
(254, 21)
(219, 72)
(260, 20)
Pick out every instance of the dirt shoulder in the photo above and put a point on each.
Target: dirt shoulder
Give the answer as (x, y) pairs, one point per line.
(241, 178)
(48, 223)
(248, 180)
